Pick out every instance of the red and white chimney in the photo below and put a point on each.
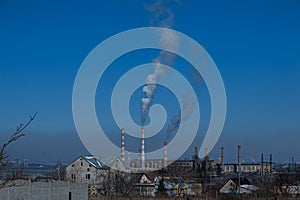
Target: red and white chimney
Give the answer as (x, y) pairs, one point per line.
(143, 148)
(123, 146)
(165, 154)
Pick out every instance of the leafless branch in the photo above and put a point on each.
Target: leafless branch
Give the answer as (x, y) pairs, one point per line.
(13, 137)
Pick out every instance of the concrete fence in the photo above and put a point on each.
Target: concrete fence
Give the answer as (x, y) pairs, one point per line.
(57, 190)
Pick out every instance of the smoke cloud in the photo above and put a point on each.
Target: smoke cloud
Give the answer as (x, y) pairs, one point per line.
(186, 112)
(164, 17)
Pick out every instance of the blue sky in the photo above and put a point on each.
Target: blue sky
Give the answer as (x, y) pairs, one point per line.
(256, 46)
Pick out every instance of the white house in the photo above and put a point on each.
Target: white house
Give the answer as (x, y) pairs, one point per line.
(89, 169)
(85, 169)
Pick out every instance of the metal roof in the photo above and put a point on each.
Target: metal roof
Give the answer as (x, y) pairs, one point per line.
(95, 162)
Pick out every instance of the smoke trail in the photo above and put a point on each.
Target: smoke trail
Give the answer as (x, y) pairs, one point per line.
(187, 111)
(165, 17)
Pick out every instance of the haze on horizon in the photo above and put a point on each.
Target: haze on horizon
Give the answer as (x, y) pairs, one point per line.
(255, 45)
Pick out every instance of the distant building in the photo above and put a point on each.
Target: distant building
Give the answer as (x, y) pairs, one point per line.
(245, 167)
(181, 165)
(157, 164)
(150, 164)
(28, 170)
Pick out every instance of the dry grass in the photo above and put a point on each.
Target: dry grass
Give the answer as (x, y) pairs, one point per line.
(145, 198)
(178, 198)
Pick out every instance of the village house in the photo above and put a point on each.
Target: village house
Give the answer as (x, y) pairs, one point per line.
(89, 169)
(146, 184)
(232, 186)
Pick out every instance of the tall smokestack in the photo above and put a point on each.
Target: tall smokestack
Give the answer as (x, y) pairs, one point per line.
(239, 155)
(206, 160)
(271, 164)
(239, 168)
(271, 168)
(123, 146)
(262, 166)
(196, 152)
(222, 160)
(129, 161)
(165, 154)
(143, 148)
(196, 160)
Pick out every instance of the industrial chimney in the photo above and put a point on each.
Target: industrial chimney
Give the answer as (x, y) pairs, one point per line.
(239, 168)
(128, 158)
(271, 169)
(262, 166)
(165, 154)
(206, 159)
(222, 160)
(196, 159)
(239, 157)
(143, 148)
(123, 146)
(196, 152)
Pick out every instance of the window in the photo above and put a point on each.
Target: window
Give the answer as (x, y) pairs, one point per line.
(87, 176)
(73, 176)
(81, 164)
(88, 169)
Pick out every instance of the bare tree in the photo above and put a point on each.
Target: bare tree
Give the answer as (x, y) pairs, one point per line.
(287, 183)
(16, 135)
(115, 183)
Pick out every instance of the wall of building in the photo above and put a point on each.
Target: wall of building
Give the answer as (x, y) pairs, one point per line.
(245, 168)
(27, 190)
(80, 171)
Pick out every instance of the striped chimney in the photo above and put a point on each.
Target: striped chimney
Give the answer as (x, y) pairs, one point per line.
(165, 154)
(222, 160)
(123, 146)
(143, 148)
